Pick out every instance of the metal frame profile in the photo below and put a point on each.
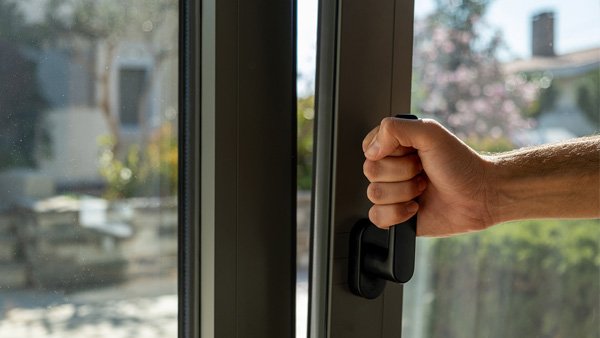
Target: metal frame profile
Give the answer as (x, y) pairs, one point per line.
(189, 169)
(363, 74)
(240, 98)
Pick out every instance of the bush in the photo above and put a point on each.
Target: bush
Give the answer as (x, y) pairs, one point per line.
(305, 117)
(525, 279)
(148, 171)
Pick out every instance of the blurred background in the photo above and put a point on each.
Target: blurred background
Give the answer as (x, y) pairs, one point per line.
(88, 165)
(88, 168)
(501, 74)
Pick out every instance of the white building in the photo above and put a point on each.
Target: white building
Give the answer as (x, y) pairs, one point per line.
(561, 114)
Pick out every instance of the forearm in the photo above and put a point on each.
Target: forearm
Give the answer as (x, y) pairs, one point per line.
(554, 181)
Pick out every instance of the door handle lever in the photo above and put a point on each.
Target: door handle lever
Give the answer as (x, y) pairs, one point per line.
(378, 255)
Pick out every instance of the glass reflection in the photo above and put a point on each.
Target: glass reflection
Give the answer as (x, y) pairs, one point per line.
(505, 74)
(88, 168)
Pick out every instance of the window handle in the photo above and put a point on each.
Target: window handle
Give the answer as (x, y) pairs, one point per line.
(378, 255)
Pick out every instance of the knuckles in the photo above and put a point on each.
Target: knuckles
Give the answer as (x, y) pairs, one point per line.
(374, 192)
(371, 170)
(384, 217)
(387, 124)
(412, 167)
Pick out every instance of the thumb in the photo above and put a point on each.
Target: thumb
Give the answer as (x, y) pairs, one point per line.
(394, 133)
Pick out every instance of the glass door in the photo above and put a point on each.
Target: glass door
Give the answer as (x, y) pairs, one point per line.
(364, 63)
(89, 168)
(504, 75)
(499, 74)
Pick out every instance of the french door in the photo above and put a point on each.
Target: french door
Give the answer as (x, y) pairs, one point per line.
(364, 75)
(246, 172)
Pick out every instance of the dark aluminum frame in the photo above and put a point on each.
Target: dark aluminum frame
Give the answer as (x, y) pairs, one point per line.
(237, 187)
(189, 169)
(364, 74)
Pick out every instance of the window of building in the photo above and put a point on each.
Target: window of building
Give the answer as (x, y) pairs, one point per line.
(133, 93)
(88, 218)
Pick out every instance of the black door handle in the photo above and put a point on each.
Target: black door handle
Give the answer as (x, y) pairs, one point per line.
(377, 255)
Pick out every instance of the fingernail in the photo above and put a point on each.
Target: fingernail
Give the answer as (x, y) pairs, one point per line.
(412, 207)
(373, 149)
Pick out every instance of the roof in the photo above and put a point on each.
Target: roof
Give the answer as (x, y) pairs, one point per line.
(570, 64)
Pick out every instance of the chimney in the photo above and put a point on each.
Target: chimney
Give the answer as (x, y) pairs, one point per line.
(542, 34)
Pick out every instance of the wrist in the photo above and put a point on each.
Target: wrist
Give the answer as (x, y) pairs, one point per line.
(515, 193)
(502, 197)
(494, 179)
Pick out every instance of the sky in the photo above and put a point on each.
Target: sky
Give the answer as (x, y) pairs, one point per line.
(577, 27)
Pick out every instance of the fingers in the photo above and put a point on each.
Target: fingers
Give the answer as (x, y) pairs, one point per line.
(387, 215)
(399, 151)
(369, 138)
(395, 182)
(393, 169)
(396, 192)
(393, 134)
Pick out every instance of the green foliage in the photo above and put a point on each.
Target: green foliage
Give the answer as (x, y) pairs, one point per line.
(487, 144)
(588, 96)
(546, 100)
(524, 279)
(461, 15)
(148, 171)
(305, 118)
(547, 94)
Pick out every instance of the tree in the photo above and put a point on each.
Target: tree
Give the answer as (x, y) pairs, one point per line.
(105, 24)
(460, 79)
(588, 97)
(304, 117)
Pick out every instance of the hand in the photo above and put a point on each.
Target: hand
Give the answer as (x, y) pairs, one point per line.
(418, 165)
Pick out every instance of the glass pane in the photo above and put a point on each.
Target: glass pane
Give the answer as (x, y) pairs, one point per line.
(505, 74)
(88, 168)
(306, 44)
(131, 90)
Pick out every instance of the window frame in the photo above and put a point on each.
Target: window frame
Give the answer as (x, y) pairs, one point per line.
(358, 44)
(189, 169)
(237, 186)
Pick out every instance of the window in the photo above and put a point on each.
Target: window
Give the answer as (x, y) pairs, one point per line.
(132, 82)
(506, 74)
(307, 36)
(89, 214)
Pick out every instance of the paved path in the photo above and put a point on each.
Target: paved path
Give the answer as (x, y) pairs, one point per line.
(145, 308)
(131, 318)
(142, 309)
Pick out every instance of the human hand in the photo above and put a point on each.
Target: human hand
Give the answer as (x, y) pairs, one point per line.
(418, 165)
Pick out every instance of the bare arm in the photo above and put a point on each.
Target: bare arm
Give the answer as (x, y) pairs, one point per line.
(419, 165)
(553, 181)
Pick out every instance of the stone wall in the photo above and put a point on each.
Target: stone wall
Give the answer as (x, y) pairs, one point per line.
(55, 244)
(46, 245)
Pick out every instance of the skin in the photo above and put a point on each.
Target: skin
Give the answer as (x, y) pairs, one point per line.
(418, 165)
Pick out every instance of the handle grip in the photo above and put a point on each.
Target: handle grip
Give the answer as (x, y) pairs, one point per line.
(377, 255)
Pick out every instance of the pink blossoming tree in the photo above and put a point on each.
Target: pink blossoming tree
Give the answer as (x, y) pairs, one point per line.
(458, 78)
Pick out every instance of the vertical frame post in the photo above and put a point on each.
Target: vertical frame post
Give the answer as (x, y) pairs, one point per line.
(248, 168)
(364, 75)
